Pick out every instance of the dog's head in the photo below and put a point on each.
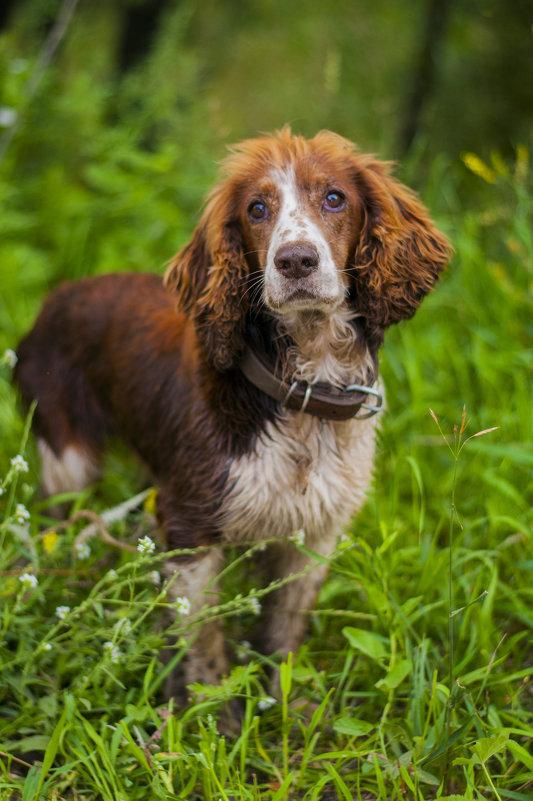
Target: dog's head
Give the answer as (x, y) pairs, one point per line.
(299, 225)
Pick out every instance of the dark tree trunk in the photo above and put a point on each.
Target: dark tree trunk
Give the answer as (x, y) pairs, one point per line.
(139, 25)
(6, 6)
(425, 71)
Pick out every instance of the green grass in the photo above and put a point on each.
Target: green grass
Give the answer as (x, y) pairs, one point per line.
(414, 681)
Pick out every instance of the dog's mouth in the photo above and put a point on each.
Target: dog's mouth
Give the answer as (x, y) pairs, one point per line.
(301, 295)
(301, 299)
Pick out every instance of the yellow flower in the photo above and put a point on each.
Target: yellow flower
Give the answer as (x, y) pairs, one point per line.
(478, 167)
(149, 504)
(50, 541)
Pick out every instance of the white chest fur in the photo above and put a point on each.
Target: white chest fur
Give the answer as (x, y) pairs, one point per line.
(305, 473)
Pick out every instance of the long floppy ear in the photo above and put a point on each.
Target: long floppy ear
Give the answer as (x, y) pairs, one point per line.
(208, 277)
(400, 253)
(186, 273)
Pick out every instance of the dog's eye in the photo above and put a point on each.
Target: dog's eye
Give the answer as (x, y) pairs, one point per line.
(334, 201)
(258, 210)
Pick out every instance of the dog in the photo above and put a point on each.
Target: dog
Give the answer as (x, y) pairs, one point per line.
(247, 379)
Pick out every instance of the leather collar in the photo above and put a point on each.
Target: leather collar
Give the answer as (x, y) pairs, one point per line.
(320, 399)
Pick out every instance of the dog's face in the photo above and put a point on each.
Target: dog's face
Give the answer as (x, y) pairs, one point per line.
(305, 224)
(300, 227)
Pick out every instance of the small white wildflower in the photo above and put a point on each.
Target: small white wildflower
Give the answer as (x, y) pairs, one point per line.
(21, 514)
(266, 703)
(154, 577)
(47, 646)
(1, 491)
(62, 612)
(19, 464)
(255, 606)
(28, 580)
(9, 358)
(146, 545)
(242, 650)
(112, 651)
(83, 551)
(123, 626)
(183, 606)
(111, 574)
(298, 536)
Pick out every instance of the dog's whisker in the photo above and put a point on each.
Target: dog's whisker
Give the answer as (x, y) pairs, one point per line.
(254, 286)
(258, 250)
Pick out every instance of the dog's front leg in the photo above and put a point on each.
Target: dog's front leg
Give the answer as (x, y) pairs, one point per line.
(287, 609)
(191, 594)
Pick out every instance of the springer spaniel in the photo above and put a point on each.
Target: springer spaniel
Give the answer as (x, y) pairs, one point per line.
(247, 379)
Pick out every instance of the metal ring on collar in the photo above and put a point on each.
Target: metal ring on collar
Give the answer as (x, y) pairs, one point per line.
(308, 392)
(289, 393)
(372, 410)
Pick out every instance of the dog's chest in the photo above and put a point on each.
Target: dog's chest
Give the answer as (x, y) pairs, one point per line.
(304, 473)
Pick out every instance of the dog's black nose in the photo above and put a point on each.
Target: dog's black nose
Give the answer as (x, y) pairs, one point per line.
(296, 261)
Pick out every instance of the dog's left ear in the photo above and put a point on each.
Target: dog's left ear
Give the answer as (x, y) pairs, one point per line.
(209, 279)
(400, 253)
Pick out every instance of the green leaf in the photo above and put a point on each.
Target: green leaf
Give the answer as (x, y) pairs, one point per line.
(51, 750)
(285, 676)
(137, 714)
(137, 752)
(521, 754)
(365, 641)
(281, 793)
(407, 779)
(353, 727)
(339, 783)
(427, 778)
(318, 714)
(36, 742)
(31, 783)
(488, 746)
(395, 676)
(447, 743)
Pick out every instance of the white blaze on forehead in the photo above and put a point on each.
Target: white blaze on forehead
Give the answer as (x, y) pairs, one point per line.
(296, 226)
(294, 223)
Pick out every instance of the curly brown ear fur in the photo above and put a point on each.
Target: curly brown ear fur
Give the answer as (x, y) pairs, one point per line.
(400, 253)
(187, 272)
(208, 277)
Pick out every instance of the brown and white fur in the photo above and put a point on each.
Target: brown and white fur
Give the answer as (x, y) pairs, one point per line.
(308, 250)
